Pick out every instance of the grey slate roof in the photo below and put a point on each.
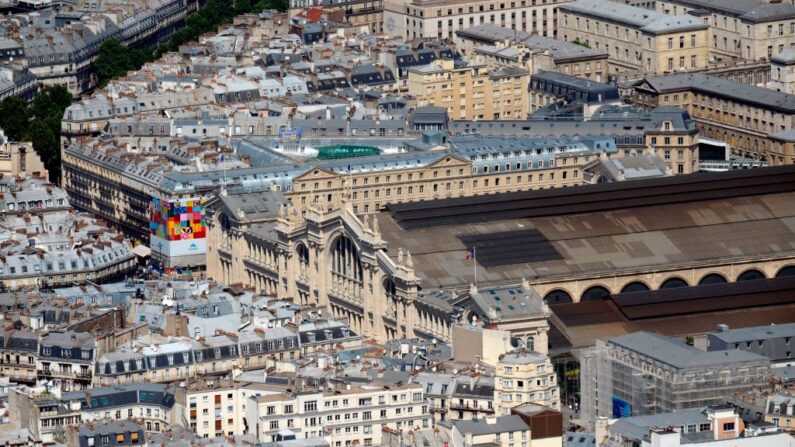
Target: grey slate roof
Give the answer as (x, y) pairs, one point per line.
(646, 20)
(762, 97)
(756, 333)
(680, 355)
(560, 50)
(503, 424)
(637, 427)
(748, 10)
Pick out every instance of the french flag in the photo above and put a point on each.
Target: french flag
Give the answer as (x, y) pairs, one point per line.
(469, 254)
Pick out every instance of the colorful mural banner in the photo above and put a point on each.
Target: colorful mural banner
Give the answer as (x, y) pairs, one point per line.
(177, 220)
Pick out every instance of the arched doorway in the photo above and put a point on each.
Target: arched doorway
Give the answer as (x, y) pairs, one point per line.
(673, 283)
(712, 278)
(595, 293)
(751, 275)
(635, 286)
(558, 297)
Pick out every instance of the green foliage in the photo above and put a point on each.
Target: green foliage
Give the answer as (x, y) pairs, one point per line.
(45, 142)
(116, 60)
(14, 117)
(581, 43)
(39, 122)
(279, 5)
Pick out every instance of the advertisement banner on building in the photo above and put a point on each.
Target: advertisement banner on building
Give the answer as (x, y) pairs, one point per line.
(177, 228)
(621, 408)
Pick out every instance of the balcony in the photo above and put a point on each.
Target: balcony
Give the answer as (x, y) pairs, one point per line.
(65, 373)
(468, 407)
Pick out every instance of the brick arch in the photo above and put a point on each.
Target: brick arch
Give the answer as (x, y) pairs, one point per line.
(787, 270)
(750, 275)
(673, 282)
(558, 296)
(595, 292)
(713, 278)
(635, 286)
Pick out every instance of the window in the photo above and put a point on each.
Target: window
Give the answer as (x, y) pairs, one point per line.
(310, 405)
(729, 426)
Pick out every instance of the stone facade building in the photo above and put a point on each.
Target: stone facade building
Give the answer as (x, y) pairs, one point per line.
(751, 30)
(334, 259)
(471, 91)
(441, 19)
(636, 40)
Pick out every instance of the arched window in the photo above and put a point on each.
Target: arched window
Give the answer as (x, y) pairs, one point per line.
(390, 292)
(673, 283)
(635, 286)
(750, 275)
(786, 271)
(345, 259)
(303, 254)
(558, 297)
(712, 278)
(346, 267)
(531, 344)
(303, 258)
(595, 293)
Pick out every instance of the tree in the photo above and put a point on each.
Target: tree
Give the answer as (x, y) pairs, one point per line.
(45, 113)
(242, 6)
(14, 116)
(113, 60)
(50, 102)
(45, 143)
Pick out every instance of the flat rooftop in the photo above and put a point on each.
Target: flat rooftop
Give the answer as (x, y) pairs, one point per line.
(639, 225)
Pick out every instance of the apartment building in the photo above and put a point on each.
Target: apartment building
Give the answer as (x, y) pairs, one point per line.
(782, 72)
(150, 404)
(349, 415)
(637, 40)
(523, 377)
(549, 87)
(774, 342)
(756, 122)
(45, 414)
(457, 397)
(127, 433)
(739, 29)
(780, 411)
(213, 406)
(439, 19)
(66, 359)
(471, 91)
(18, 350)
(19, 159)
(708, 426)
(368, 13)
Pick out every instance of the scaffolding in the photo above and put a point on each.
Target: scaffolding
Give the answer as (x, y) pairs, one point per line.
(617, 381)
